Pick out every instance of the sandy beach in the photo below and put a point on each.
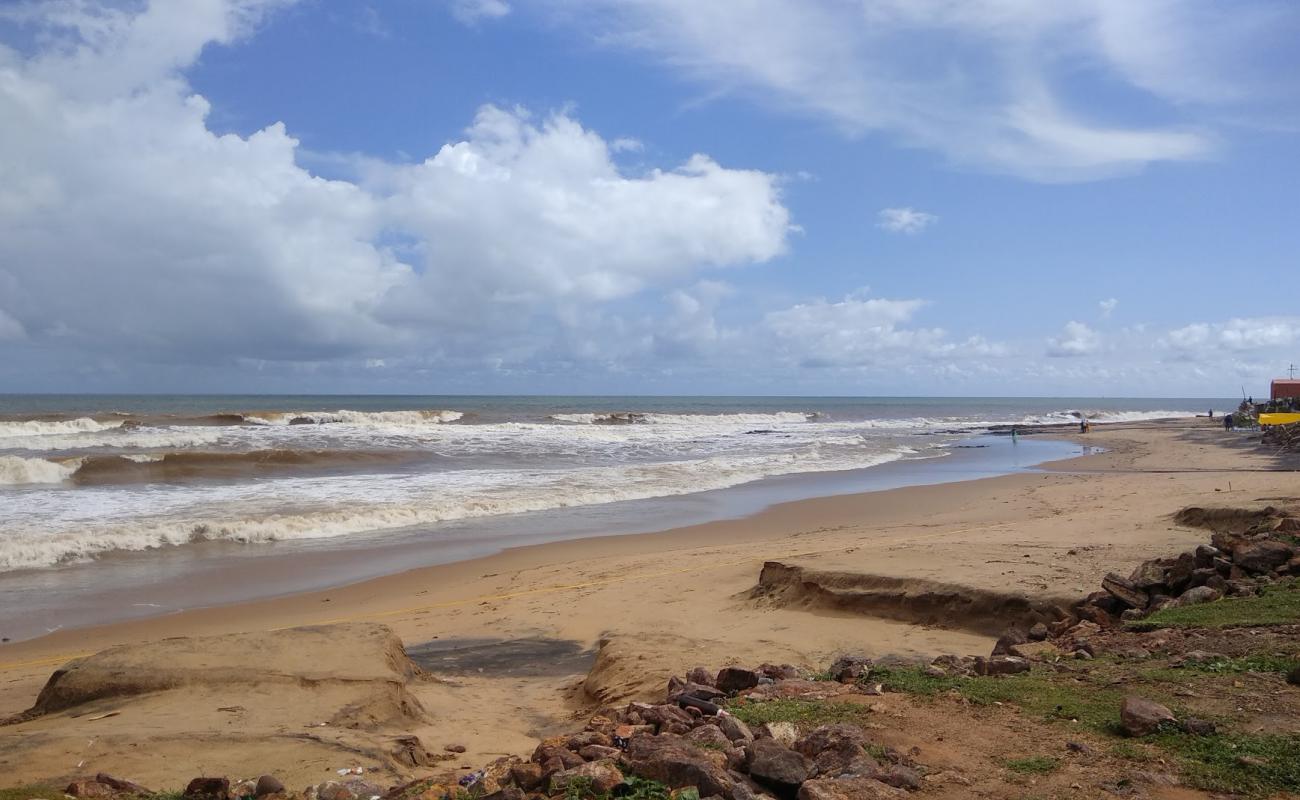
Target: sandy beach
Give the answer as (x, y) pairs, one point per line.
(661, 603)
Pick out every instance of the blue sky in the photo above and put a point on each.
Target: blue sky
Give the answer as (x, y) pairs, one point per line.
(573, 196)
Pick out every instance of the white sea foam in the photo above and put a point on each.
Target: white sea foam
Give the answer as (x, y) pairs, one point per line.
(127, 438)
(345, 505)
(359, 418)
(18, 471)
(43, 427)
(1074, 415)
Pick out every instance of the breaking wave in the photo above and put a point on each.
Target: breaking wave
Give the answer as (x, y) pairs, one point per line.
(1074, 415)
(18, 471)
(409, 501)
(56, 427)
(631, 417)
(347, 417)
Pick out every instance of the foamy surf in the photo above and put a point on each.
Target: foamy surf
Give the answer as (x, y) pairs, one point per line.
(47, 427)
(18, 471)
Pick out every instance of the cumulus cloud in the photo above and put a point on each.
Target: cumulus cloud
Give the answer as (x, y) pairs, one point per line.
(1002, 95)
(862, 330)
(132, 230)
(904, 220)
(1107, 306)
(1077, 339)
(1237, 335)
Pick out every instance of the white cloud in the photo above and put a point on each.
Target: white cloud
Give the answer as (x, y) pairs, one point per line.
(134, 232)
(1236, 335)
(987, 83)
(861, 330)
(470, 12)
(1107, 306)
(10, 328)
(904, 220)
(1077, 339)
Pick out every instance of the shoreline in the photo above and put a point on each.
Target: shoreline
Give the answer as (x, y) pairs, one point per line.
(680, 597)
(138, 585)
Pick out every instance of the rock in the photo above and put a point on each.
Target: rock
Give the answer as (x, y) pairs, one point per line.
(735, 729)
(934, 671)
(1096, 614)
(527, 776)
(330, 790)
(701, 676)
(121, 784)
(1261, 555)
(1149, 574)
(1078, 747)
(1038, 632)
(736, 679)
(774, 764)
(506, 793)
(780, 672)
(900, 776)
(601, 776)
(836, 749)
(597, 752)
(1125, 591)
(699, 691)
(1195, 595)
(208, 789)
(1004, 665)
(89, 789)
(1041, 651)
(784, 732)
(267, 784)
(410, 751)
(1009, 639)
(1131, 614)
(1198, 727)
(1204, 555)
(1293, 677)
(709, 736)
(853, 788)
(1140, 716)
(676, 763)
(850, 669)
(454, 748)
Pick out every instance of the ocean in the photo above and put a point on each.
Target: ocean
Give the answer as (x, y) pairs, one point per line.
(131, 491)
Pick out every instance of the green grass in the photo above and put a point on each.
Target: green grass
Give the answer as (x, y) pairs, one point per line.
(803, 713)
(634, 789)
(1097, 707)
(1255, 662)
(1033, 765)
(1276, 605)
(1211, 762)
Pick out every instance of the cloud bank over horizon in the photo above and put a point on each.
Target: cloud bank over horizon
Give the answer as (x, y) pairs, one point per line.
(145, 246)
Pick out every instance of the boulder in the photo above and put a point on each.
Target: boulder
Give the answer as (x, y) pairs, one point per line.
(89, 789)
(900, 776)
(1149, 574)
(709, 736)
(784, 732)
(267, 784)
(1038, 632)
(601, 776)
(1002, 665)
(1140, 716)
(850, 788)
(1198, 727)
(776, 765)
(677, 763)
(850, 668)
(1195, 595)
(1261, 555)
(1009, 639)
(527, 776)
(1293, 677)
(834, 749)
(779, 672)
(701, 676)
(735, 729)
(1040, 651)
(1125, 591)
(597, 752)
(208, 789)
(122, 785)
(736, 679)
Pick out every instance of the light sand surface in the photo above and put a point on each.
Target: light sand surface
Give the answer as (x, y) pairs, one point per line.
(669, 600)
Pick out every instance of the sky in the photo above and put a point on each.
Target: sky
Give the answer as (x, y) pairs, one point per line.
(785, 197)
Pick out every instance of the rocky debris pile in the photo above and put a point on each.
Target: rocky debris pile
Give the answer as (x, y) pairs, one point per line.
(691, 742)
(1236, 563)
(1283, 437)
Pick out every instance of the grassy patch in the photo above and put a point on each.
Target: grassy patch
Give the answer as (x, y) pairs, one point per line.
(1255, 662)
(31, 792)
(803, 713)
(634, 789)
(1033, 765)
(1094, 706)
(1275, 605)
(1256, 765)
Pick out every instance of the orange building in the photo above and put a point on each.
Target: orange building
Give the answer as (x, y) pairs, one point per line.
(1286, 387)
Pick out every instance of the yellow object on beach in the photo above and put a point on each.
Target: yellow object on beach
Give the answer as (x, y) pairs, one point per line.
(1278, 419)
